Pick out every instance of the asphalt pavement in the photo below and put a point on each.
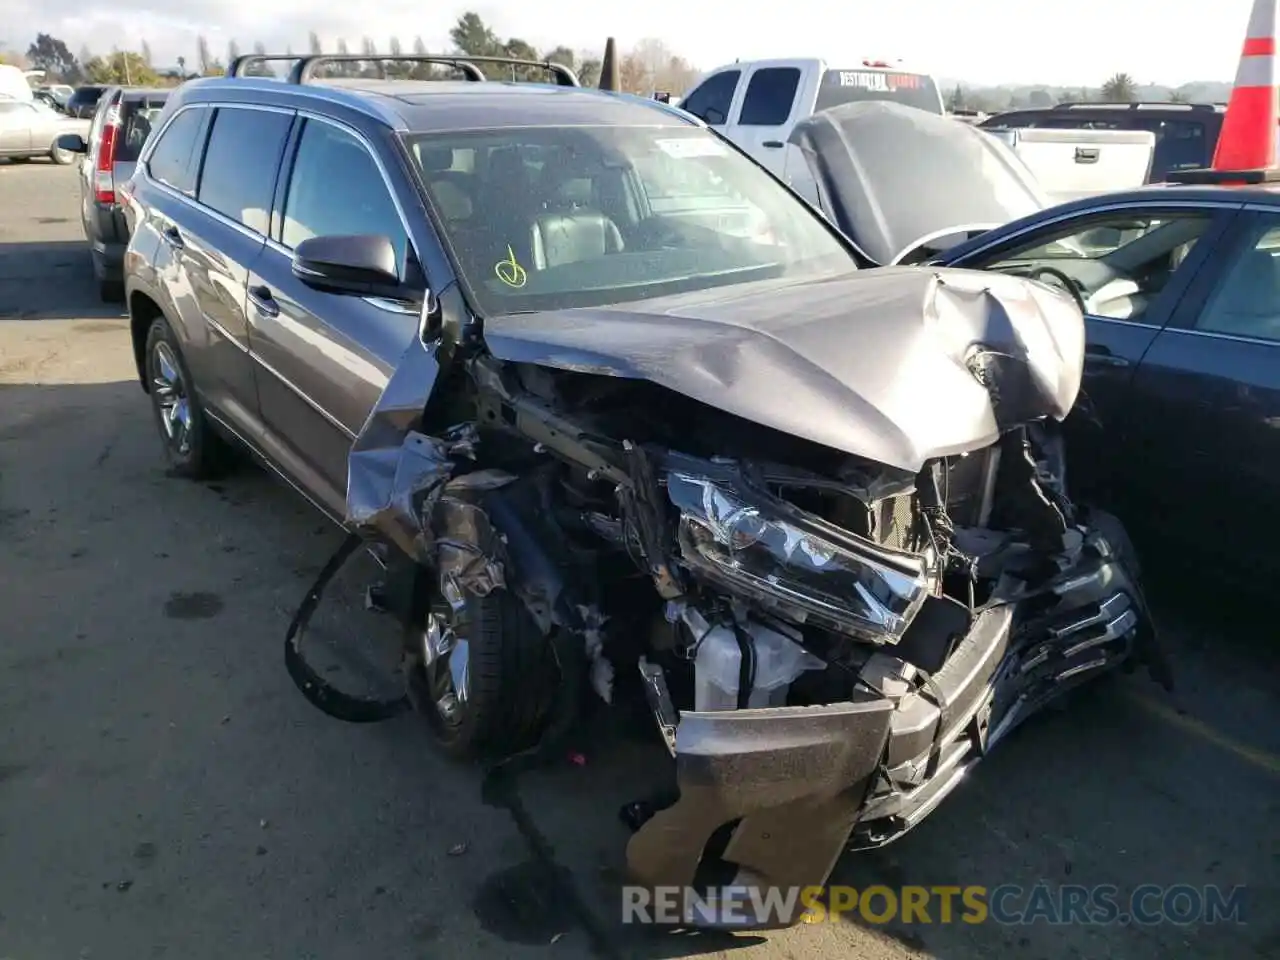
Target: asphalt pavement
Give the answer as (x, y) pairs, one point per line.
(165, 791)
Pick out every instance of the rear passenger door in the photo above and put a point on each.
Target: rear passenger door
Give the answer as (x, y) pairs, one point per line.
(217, 240)
(324, 358)
(766, 113)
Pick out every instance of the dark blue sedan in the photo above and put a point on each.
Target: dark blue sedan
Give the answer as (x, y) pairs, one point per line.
(1178, 425)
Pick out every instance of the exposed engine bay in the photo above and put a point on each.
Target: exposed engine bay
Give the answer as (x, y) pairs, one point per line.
(827, 643)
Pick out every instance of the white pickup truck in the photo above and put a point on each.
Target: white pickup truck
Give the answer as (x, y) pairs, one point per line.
(1070, 164)
(757, 103)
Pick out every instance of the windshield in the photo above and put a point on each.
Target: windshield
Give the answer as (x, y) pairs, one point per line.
(551, 218)
(849, 86)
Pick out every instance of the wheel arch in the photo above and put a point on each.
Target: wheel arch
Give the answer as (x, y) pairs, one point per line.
(143, 312)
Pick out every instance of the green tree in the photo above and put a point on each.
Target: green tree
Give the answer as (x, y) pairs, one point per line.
(1177, 96)
(957, 100)
(473, 36)
(51, 55)
(123, 67)
(1121, 88)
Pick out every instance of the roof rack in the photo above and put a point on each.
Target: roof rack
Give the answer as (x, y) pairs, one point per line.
(304, 67)
(240, 65)
(1143, 105)
(1211, 177)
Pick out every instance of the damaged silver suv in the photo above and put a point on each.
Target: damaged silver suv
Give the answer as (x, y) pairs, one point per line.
(619, 412)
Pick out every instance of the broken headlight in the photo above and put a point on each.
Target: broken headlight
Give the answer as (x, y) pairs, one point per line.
(852, 587)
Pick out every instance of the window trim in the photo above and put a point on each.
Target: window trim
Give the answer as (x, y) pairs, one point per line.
(746, 95)
(143, 162)
(281, 198)
(210, 126)
(737, 70)
(1213, 280)
(1182, 289)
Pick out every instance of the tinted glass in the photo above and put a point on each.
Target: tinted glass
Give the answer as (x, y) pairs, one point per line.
(337, 188)
(552, 218)
(139, 115)
(848, 86)
(172, 160)
(710, 101)
(1247, 301)
(238, 174)
(1117, 264)
(770, 94)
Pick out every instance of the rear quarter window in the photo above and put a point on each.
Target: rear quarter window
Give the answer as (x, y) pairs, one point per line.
(139, 117)
(173, 161)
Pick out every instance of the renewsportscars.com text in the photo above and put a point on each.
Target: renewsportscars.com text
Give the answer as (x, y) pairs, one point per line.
(1007, 904)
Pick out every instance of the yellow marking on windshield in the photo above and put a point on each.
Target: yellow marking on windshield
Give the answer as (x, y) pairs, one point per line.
(510, 272)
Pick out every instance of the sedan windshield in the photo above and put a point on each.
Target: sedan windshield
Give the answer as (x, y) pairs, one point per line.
(541, 218)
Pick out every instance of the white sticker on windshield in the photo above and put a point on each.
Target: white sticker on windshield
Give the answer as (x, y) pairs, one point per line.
(684, 147)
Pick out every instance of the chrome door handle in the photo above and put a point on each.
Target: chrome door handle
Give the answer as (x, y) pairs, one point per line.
(263, 301)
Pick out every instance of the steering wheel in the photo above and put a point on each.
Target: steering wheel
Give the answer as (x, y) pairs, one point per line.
(1064, 281)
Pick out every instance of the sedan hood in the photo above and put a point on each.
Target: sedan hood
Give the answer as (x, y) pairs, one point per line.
(894, 178)
(888, 364)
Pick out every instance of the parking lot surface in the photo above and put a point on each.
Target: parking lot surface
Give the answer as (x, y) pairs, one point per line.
(164, 791)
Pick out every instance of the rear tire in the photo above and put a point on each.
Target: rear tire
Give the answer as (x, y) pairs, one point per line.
(192, 447)
(510, 683)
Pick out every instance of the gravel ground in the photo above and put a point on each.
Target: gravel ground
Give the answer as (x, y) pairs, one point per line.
(164, 791)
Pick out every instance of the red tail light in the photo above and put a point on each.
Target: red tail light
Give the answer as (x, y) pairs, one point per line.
(104, 181)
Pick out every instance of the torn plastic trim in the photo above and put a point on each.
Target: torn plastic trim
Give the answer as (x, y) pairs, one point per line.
(318, 691)
(794, 778)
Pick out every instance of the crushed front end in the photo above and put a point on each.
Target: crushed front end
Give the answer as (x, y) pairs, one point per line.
(827, 640)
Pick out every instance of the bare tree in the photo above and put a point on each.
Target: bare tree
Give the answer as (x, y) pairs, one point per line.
(313, 43)
(204, 59)
(146, 54)
(233, 51)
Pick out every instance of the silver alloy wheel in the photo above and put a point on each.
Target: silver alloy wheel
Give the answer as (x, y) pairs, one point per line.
(170, 396)
(446, 662)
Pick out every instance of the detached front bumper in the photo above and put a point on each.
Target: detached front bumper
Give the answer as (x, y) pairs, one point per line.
(806, 783)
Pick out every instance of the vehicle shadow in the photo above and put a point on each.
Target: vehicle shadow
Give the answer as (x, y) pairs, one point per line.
(50, 280)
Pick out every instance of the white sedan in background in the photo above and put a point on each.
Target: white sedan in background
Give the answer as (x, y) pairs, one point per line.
(29, 128)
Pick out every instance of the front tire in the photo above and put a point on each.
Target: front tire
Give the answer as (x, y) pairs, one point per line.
(192, 448)
(61, 157)
(490, 683)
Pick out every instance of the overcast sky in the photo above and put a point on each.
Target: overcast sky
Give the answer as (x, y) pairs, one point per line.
(984, 41)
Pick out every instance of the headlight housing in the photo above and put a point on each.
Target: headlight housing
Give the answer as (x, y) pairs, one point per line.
(856, 587)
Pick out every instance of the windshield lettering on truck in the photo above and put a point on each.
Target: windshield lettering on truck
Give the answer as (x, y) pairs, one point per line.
(849, 86)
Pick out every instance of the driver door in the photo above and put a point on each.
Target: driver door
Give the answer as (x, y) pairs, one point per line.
(1130, 267)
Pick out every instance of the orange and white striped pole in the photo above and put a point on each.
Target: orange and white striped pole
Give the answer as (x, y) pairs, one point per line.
(1248, 137)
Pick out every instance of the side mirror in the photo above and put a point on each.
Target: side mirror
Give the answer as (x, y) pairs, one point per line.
(363, 265)
(72, 143)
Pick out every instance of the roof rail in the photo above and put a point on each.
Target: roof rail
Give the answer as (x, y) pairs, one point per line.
(239, 66)
(1142, 105)
(304, 69)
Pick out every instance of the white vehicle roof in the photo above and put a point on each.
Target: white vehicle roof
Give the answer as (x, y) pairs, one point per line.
(13, 84)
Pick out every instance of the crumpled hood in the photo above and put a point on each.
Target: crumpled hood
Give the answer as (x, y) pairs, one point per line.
(892, 177)
(884, 364)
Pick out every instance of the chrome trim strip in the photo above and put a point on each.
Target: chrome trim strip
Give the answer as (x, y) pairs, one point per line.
(1114, 207)
(302, 395)
(225, 333)
(1214, 335)
(271, 465)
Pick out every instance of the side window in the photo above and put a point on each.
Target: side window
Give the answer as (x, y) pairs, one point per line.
(1117, 265)
(171, 161)
(710, 101)
(238, 175)
(770, 94)
(1247, 300)
(328, 156)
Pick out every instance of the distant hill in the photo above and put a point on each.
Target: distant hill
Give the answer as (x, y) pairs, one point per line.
(1016, 96)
